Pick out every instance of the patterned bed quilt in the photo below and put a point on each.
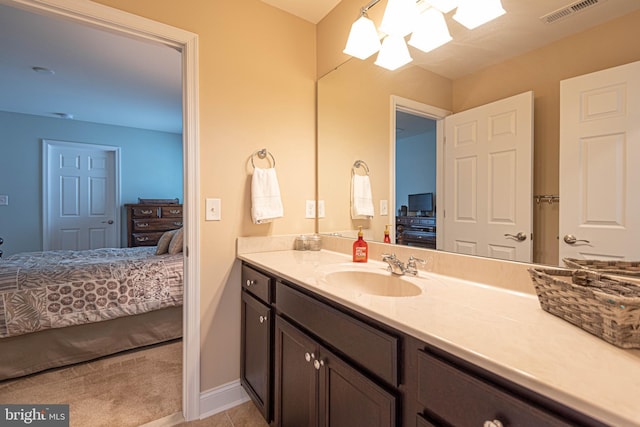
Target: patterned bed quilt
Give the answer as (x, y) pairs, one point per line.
(55, 289)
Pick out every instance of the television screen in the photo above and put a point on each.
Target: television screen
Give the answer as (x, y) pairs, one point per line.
(421, 204)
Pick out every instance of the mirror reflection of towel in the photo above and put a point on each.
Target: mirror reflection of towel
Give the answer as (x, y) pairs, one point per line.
(266, 204)
(361, 198)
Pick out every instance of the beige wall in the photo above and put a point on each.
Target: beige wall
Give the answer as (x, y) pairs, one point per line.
(257, 69)
(613, 43)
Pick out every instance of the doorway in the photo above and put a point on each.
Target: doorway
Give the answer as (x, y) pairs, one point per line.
(133, 26)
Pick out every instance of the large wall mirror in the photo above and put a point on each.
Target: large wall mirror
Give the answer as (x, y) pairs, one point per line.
(361, 108)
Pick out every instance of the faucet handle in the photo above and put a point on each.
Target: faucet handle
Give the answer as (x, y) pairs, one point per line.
(412, 261)
(388, 256)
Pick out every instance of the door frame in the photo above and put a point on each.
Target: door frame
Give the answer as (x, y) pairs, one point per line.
(128, 24)
(47, 145)
(416, 108)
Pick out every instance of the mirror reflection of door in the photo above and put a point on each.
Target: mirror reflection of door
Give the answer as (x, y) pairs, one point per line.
(599, 149)
(488, 183)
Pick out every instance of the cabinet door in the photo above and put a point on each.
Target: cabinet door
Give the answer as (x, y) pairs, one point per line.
(348, 398)
(296, 402)
(255, 367)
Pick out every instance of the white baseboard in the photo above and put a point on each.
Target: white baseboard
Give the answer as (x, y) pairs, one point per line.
(222, 398)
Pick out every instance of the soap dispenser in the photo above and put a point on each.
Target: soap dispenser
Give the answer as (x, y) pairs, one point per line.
(387, 239)
(360, 248)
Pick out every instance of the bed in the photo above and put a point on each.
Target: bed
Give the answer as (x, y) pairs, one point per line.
(63, 307)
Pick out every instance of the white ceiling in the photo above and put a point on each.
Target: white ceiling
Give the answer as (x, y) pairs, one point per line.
(107, 78)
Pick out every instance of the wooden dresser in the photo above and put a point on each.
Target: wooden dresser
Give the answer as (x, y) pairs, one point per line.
(147, 222)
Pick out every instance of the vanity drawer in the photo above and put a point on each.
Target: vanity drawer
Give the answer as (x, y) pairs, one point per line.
(171, 211)
(371, 348)
(460, 399)
(156, 224)
(257, 283)
(146, 239)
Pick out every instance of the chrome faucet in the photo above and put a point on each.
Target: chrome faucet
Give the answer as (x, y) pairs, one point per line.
(397, 267)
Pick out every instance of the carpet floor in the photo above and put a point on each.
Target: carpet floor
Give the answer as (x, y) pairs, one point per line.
(127, 389)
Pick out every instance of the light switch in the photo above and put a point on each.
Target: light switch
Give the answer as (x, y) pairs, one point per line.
(213, 208)
(310, 209)
(384, 207)
(4, 200)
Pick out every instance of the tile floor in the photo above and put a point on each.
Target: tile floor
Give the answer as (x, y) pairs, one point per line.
(245, 415)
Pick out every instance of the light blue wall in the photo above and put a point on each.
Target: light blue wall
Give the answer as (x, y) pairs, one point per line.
(416, 164)
(151, 167)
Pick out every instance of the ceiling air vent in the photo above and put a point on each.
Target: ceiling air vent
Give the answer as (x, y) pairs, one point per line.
(569, 10)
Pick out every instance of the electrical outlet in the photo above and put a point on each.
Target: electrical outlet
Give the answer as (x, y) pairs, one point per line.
(320, 208)
(4, 200)
(310, 209)
(384, 207)
(213, 208)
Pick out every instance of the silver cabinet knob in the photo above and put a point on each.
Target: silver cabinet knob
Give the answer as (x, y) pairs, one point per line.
(263, 319)
(318, 364)
(520, 237)
(571, 239)
(494, 423)
(250, 283)
(308, 356)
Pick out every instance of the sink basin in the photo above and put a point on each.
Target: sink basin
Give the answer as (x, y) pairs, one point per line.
(379, 283)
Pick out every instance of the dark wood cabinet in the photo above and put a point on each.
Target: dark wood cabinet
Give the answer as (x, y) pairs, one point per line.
(256, 367)
(146, 223)
(314, 387)
(313, 362)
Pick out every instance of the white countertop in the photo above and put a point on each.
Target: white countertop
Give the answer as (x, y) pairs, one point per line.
(502, 331)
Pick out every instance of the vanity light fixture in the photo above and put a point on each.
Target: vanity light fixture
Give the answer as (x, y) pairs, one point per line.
(394, 53)
(431, 31)
(444, 6)
(473, 13)
(424, 18)
(363, 38)
(399, 17)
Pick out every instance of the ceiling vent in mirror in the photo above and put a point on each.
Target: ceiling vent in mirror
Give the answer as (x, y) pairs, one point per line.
(569, 10)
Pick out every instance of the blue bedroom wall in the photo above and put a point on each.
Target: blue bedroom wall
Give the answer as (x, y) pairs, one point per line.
(151, 167)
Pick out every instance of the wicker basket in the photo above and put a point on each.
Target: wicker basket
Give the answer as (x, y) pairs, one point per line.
(604, 306)
(620, 268)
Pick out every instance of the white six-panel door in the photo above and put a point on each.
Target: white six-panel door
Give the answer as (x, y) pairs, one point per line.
(80, 196)
(600, 164)
(488, 180)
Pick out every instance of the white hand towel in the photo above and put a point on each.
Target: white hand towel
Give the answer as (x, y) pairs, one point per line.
(361, 198)
(266, 203)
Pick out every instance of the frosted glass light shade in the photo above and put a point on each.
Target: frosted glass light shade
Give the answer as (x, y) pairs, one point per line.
(444, 6)
(399, 17)
(431, 31)
(363, 39)
(393, 53)
(473, 13)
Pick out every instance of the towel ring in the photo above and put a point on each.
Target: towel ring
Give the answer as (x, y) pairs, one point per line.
(262, 154)
(358, 164)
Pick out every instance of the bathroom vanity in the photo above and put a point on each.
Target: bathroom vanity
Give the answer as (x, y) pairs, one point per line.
(317, 353)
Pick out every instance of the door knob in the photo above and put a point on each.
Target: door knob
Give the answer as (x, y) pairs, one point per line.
(520, 237)
(108, 222)
(571, 239)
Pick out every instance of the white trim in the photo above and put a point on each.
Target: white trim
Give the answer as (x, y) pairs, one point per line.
(222, 398)
(126, 23)
(47, 145)
(416, 108)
